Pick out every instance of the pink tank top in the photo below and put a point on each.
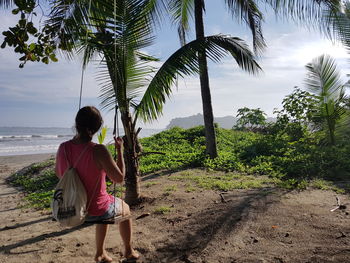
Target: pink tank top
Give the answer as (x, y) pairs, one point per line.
(90, 175)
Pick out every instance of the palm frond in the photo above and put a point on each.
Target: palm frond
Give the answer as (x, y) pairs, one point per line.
(123, 86)
(75, 21)
(184, 62)
(182, 11)
(323, 80)
(303, 10)
(323, 77)
(248, 12)
(155, 9)
(336, 24)
(6, 3)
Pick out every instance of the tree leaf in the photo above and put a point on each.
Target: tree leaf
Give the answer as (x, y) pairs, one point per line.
(53, 58)
(32, 46)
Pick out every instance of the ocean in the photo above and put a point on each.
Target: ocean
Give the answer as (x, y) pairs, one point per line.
(33, 140)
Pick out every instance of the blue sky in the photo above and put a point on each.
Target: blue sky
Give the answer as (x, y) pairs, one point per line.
(48, 95)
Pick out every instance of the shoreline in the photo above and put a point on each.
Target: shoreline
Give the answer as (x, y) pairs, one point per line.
(12, 163)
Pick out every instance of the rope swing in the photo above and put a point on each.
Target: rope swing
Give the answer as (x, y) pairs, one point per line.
(116, 218)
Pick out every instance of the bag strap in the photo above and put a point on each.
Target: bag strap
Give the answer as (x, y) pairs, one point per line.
(65, 155)
(79, 157)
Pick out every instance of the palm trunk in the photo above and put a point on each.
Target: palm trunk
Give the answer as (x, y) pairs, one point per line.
(330, 125)
(204, 82)
(131, 144)
(132, 177)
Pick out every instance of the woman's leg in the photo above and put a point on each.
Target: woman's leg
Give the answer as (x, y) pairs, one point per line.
(101, 254)
(125, 229)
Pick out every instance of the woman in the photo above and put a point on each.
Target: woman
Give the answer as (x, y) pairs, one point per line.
(93, 162)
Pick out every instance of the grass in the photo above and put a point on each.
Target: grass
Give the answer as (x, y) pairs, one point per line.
(170, 188)
(223, 181)
(189, 188)
(327, 185)
(38, 181)
(162, 210)
(149, 184)
(40, 200)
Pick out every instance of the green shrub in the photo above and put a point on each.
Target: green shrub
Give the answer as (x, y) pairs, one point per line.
(291, 157)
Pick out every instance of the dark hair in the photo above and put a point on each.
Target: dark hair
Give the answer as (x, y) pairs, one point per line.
(87, 122)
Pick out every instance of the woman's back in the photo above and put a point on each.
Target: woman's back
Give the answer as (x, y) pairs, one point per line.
(92, 178)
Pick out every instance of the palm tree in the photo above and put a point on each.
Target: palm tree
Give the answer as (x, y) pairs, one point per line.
(323, 80)
(116, 38)
(249, 13)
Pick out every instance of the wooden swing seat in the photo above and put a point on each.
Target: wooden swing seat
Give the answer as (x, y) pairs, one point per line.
(109, 221)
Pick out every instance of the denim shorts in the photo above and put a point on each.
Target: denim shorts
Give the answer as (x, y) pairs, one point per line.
(113, 210)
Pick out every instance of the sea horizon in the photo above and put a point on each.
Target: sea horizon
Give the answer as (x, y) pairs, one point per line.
(22, 140)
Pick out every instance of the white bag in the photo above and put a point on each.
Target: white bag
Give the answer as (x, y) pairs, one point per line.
(69, 199)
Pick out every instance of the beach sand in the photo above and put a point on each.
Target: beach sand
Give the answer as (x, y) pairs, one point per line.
(248, 226)
(16, 162)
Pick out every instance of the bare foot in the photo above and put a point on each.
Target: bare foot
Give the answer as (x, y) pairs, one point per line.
(131, 254)
(103, 258)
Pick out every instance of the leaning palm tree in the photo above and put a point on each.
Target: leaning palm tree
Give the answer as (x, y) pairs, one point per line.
(115, 33)
(248, 12)
(324, 81)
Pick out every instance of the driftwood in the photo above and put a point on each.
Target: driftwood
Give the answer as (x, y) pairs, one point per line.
(339, 206)
(223, 200)
(142, 216)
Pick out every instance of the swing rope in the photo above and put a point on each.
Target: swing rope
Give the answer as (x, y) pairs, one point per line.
(81, 86)
(82, 68)
(116, 119)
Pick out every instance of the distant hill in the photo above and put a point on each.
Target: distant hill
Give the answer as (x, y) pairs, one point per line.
(188, 122)
(226, 122)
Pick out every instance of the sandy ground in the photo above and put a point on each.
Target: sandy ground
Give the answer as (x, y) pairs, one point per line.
(255, 226)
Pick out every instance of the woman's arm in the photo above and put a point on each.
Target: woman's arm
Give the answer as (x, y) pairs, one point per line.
(105, 161)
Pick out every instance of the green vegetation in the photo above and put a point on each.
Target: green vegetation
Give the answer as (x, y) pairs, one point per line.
(278, 154)
(190, 188)
(224, 182)
(250, 119)
(162, 210)
(181, 148)
(149, 184)
(102, 135)
(170, 188)
(38, 181)
(247, 159)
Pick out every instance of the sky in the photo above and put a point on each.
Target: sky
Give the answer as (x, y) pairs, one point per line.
(42, 95)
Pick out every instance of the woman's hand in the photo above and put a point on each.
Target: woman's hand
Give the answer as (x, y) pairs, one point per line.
(118, 143)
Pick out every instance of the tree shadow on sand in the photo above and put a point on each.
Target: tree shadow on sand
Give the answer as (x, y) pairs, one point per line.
(214, 224)
(7, 248)
(26, 223)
